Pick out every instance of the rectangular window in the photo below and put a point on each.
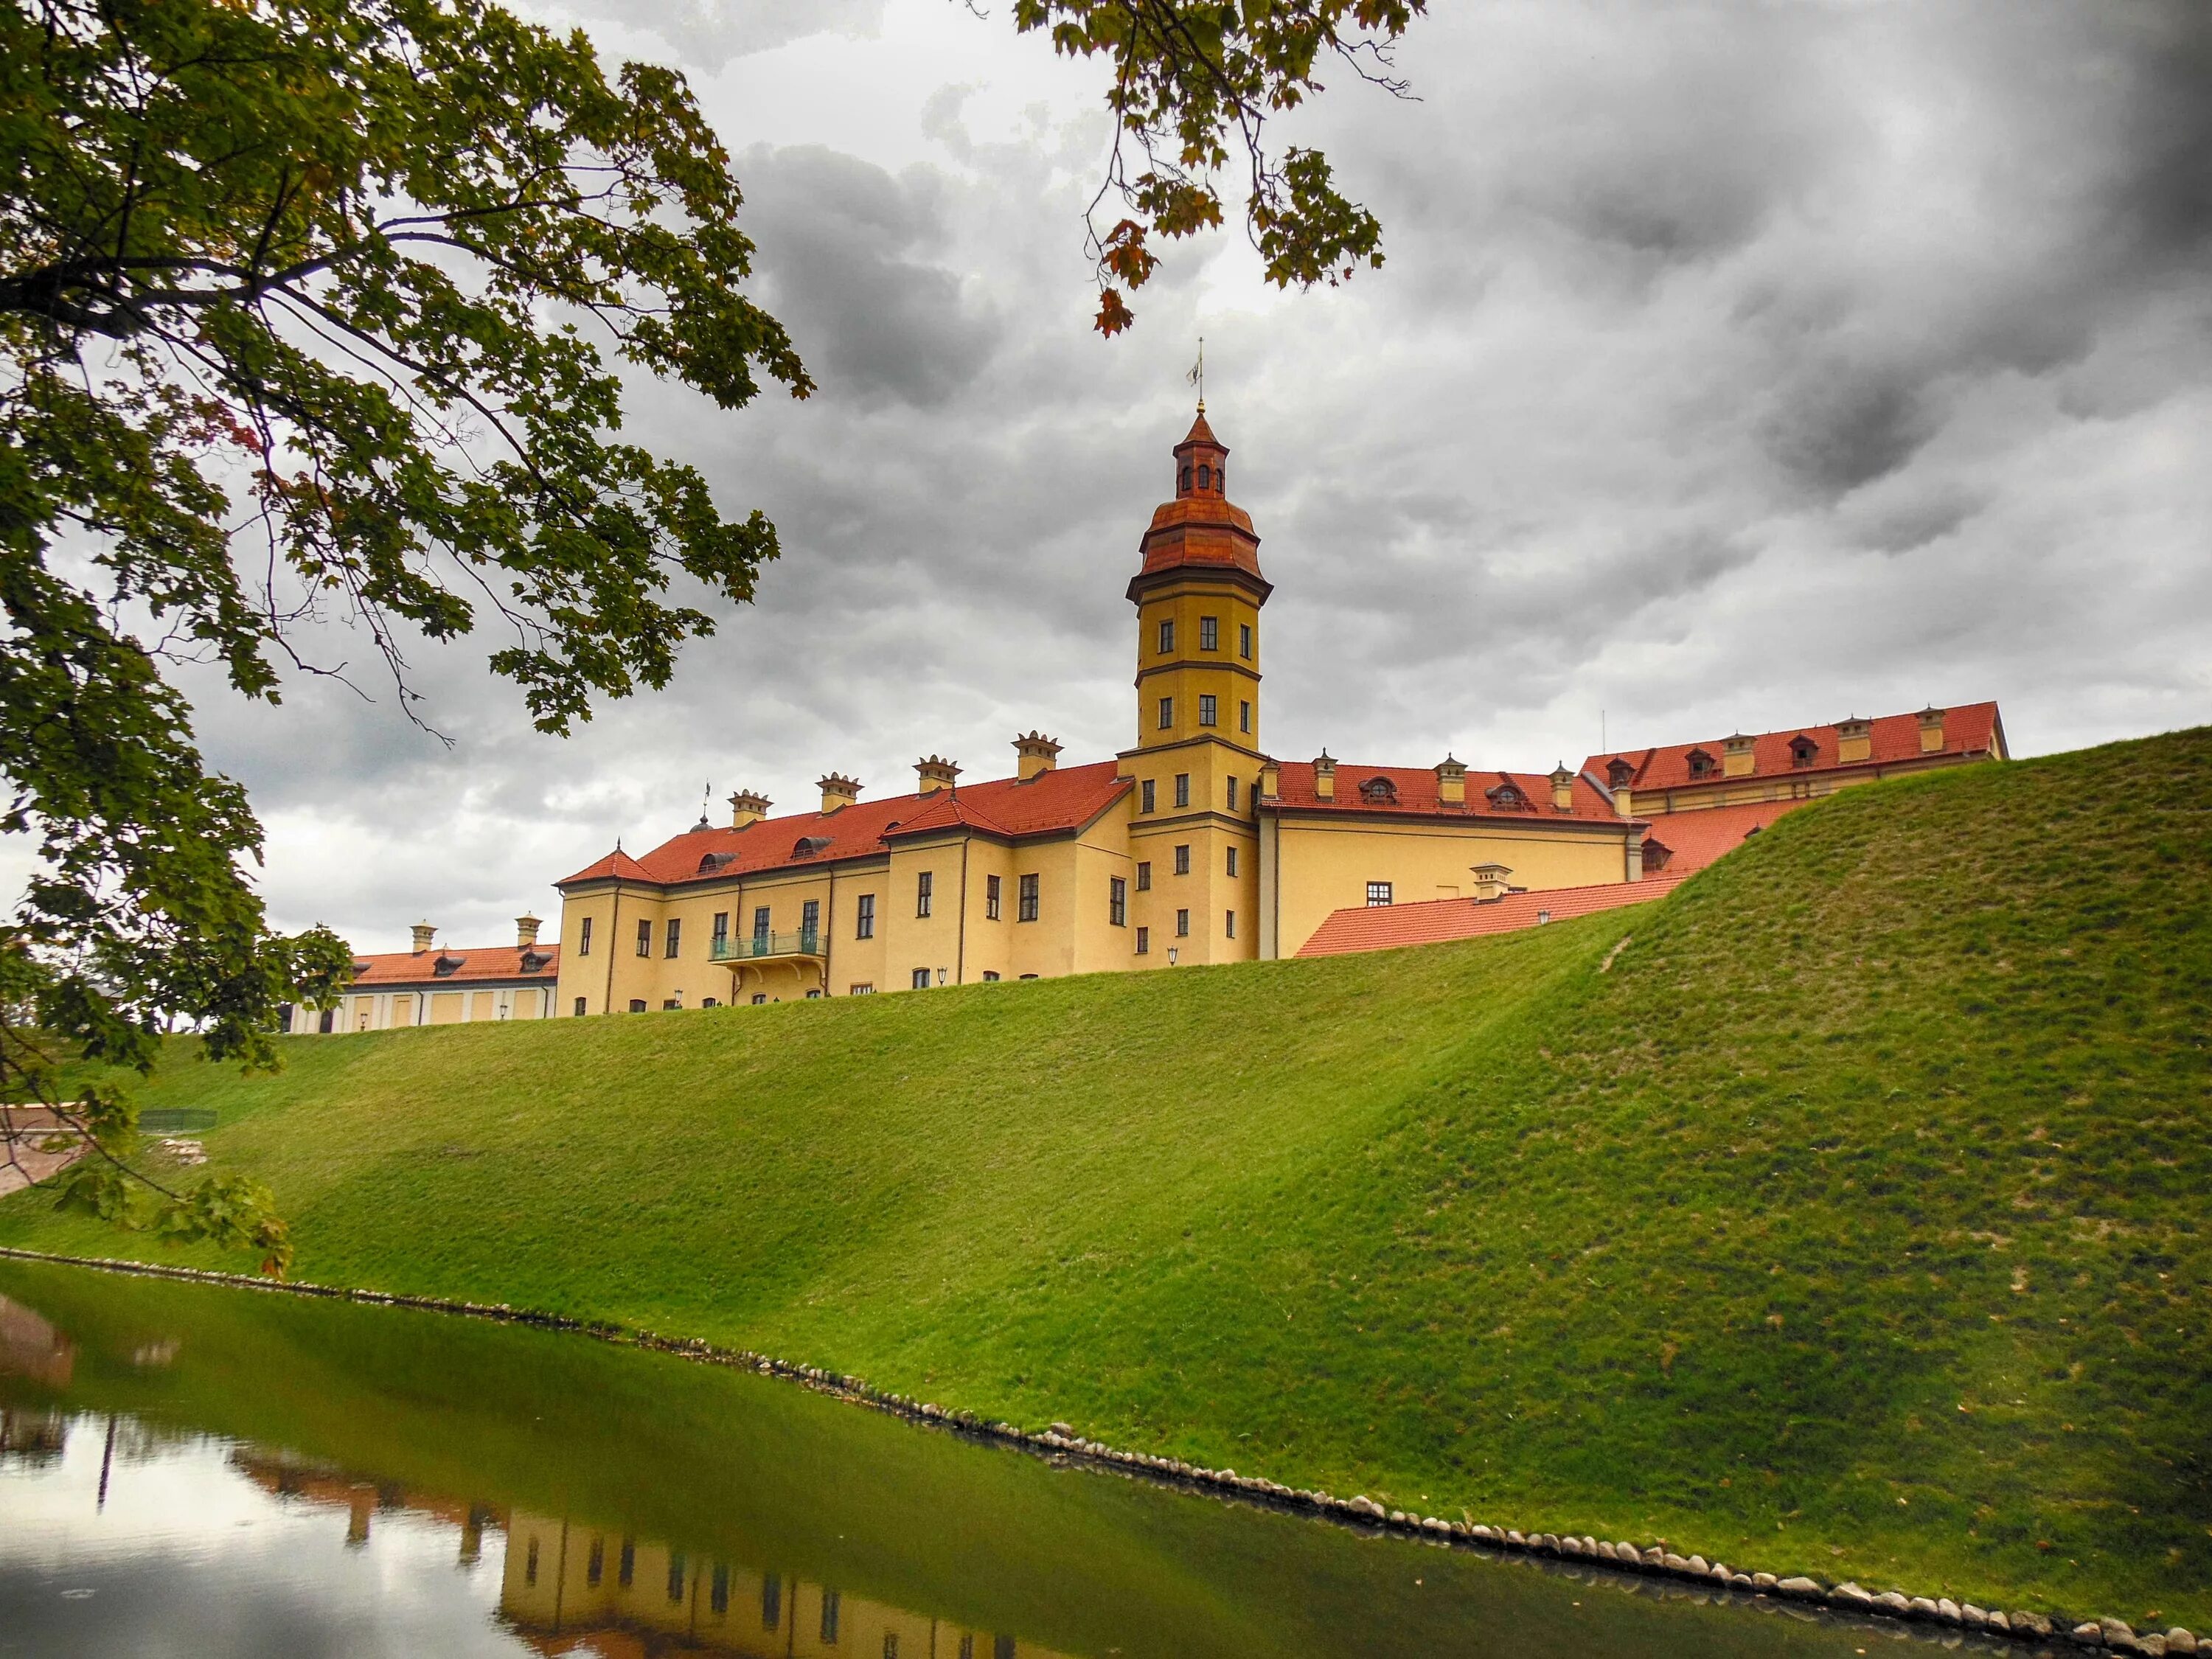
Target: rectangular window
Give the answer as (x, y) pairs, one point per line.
(1143, 941)
(772, 1603)
(1145, 792)
(626, 1568)
(1029, 910)
(1232, 861)
(1232, 793)
(864, 926)
(1182, 924)
(990, 898)
(829, 1609)
(718, 1597)
(675, 1577)
(990, 976)
(1117, 901)
(579, 1007)
(1182, 789)
(670, 1005)
(1244, 641)
(1244, 718)
(584, 944)
(760, 925)
(861, 988)
(922, 979)
(1209, 633)
(1229, 925)
(644, 938)
(1378, 895)
(1145, 876)
(722, 931)
(675, 937)
(922, 884)
(1167, 635)
(1167, 712)
(1205, 708)
(1182, 860)
(595, 1568)
(810, 918)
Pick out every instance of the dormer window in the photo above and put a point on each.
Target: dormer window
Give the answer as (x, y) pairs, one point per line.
(1618, 773)
(1803, 752)
(445, 964)
(713, 861)
(1379, 792)
(1507, 797)
(807, 846)
(1701, 763)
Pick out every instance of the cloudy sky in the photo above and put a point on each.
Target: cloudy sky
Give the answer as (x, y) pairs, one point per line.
(1737, 364)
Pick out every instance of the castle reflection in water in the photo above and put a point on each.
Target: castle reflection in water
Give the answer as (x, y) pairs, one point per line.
(570, 1588)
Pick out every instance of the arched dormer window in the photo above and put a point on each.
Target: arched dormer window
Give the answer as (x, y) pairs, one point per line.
(1379, 792)
(807, 846)
(1701, 763)
(1507, 797)
(1205, 475)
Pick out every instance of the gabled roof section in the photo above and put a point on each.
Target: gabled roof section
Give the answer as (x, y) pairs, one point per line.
(1415, 787)
(1693, 839)
(451, 965)
(1056, 802)
(1433, 921)
(1969, 730)
(617, 865)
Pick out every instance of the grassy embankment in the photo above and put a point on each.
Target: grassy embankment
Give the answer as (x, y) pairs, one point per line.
(1853, 1221)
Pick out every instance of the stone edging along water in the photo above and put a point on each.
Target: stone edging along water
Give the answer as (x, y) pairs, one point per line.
(1940, 1615)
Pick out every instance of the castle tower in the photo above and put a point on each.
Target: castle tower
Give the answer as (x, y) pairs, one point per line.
(1196, 762)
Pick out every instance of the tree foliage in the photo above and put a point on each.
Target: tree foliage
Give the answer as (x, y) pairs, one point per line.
(1191, 79)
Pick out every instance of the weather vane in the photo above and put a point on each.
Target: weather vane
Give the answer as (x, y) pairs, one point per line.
(1197, 375)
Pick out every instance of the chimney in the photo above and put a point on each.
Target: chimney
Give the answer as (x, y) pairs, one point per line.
(1271, 779)
(1489, 881)
(1324, 776)
(1563, 789)
(838, 792)
(1931, 729)
(748, 806)
(1034, 754)
(526, 931)
(1451, 781)
(1853, 739)
(935, 773)
(424, 932)
(1737, 759)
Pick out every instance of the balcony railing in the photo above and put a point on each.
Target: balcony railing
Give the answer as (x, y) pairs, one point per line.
(755, 947)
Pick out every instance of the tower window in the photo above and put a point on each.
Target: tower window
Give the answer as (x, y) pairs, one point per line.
(1182, 860)
(922, 884)
(1205, 708)
(1229, 924)
(1244, 641)
(1143, 875)
(1144, 793)
(1232, 858)
(584, 945)
(1220, 477)
(1028, 912)
(1167, 635)
(1186, 478)
(1204, 476)
(1209, 633)
(1230, 785)
(1182, 924)
(990, 898)
(1378, 895)
(1244, 718)
(1182, 789)
(1117, 901)
(1167, 712)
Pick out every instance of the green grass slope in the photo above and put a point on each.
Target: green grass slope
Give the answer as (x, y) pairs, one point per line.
(1853, 1220)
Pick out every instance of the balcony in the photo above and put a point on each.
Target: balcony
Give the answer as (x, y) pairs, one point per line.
(760, 947)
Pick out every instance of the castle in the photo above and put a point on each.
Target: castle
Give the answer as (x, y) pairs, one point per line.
(1193, 845)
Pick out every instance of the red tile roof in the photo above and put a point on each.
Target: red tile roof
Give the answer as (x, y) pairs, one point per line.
(1970, 729)
(1694, 839)
(1387, 927)
(1064, 799)
(474, 964)
(1200, 529)
(1415, 791)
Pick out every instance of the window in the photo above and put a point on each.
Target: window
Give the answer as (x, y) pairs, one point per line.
(760, 926)
(1209, 633)
(1803, 752)
(529, 1565)
(1205, 475)
(922, 884)
(1028, 900)
(1146, 791)
(1167, 712)
(861, 988)
(595, 1568)
(670, 1005)
(990, 976)
(865, 926)
(1701, 763)
(810, 918)
(721, 932)
(1182, 860)
(760, 998)
(1145, 876)
(772, 1604)
(1233, 794)
(1205, 708)
(1379, 792)
(708, 1002)
(1117, 901)
(1002, 1647)
(1182, 924)
(1229, 925)
(675, 1577)
(922, 979)
(718, 1597)
(1244, 641)
(1186, 478)
(830, 1611)
(579, 1007)
(626, 1568)
(890, 1644)
(1182, 789)
(1378, 895)
(1244, 717)
(1167, 635)
(637, 1005)
(644, 938)
(584, 944)
(1143, 941)
(675, 937)
(1232, 861)
(990, 898)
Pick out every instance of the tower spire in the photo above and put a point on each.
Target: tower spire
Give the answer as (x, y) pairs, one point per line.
(1197, 375)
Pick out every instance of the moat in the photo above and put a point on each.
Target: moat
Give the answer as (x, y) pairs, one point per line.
(190, 1470)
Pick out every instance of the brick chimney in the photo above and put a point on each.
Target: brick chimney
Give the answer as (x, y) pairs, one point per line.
(1324, 777)
(1451, 781)
(935, 773)
(1489, 881)
(748, 806)
(526, 931)
(1931, 729)
(1853, 739)
(1034, 755)
(838, 792)
(1737, 758)
(1563, 789)
(423, 933)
